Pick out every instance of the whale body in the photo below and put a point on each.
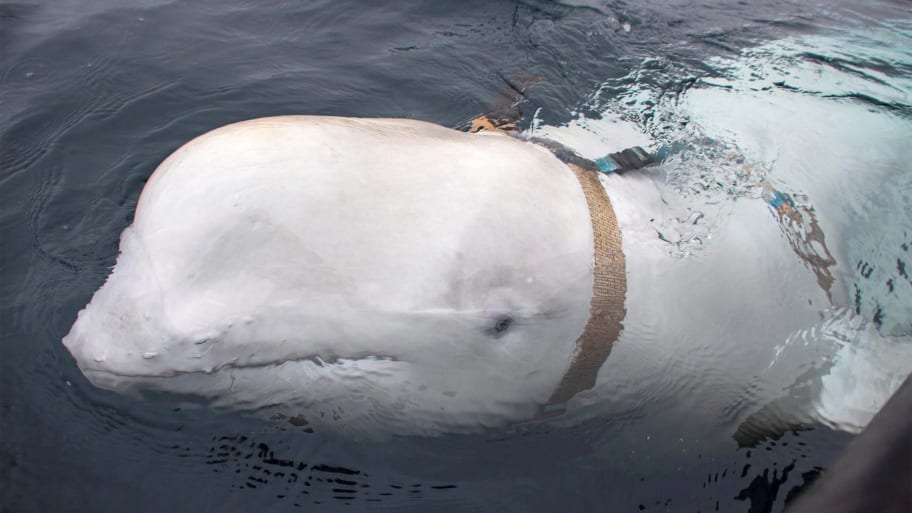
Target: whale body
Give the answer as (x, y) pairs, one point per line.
(389, 276)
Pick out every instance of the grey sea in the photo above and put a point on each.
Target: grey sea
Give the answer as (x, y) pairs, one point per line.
(815, 96)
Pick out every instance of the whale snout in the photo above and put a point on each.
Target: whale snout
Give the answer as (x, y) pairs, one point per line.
(93, 357)
(118, 362)
(111, 342)
(89, 352)
(96, 354)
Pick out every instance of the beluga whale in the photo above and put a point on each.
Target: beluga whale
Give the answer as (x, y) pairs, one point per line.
(386, 273)
(375, 277)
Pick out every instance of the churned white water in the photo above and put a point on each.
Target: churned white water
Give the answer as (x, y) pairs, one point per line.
(794, 160)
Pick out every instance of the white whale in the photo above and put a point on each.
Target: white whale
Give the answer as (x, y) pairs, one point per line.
(396, 276)
(381, 269)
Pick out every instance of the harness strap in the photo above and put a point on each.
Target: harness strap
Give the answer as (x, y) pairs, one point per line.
(609, 288)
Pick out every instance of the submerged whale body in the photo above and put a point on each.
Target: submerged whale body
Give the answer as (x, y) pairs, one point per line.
(379, 272)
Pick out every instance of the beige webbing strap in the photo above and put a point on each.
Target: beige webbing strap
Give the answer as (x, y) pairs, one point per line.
(609, 288)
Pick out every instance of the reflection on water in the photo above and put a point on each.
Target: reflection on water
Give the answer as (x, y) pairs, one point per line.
(786, 117)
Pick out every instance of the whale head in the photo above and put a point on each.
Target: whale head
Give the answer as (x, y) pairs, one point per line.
(387, 272)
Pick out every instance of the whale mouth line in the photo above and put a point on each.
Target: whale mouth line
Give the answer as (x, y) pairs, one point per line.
(317, 360)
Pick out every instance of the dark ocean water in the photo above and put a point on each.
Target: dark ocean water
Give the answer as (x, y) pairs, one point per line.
(96, 93)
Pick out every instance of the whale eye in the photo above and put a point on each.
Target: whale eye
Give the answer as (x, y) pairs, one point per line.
(501, 325)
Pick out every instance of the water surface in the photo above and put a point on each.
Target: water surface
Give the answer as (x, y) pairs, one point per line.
(813, 97)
